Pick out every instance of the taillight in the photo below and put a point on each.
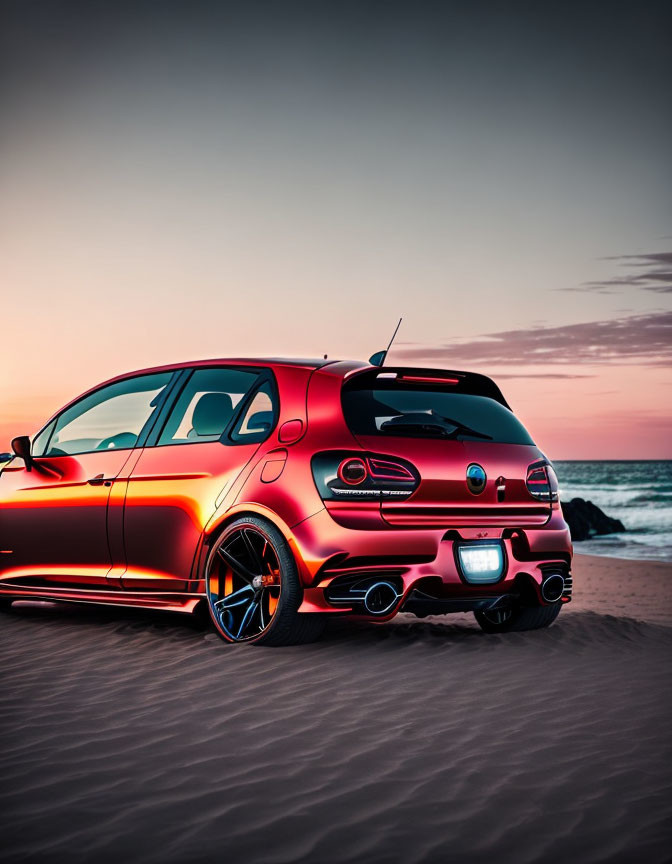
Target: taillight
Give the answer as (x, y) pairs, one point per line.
(384, 469)
(352, 471)
(541, 481)
(341, 476)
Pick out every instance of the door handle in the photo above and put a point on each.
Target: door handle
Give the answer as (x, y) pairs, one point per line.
(99, 480)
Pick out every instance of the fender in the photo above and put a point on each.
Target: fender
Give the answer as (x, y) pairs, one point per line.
(220, 520)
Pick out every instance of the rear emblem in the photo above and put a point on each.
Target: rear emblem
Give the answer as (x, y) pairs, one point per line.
(476, 478)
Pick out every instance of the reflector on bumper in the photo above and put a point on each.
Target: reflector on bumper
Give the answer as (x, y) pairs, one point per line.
(481, 564)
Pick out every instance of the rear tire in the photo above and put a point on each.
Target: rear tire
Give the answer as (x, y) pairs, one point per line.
(521, 618)
(276, 620)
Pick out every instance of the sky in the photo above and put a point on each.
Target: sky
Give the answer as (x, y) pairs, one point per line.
(191, 180)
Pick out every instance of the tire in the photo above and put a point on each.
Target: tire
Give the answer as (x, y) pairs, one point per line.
(521, 618)
(252, 546)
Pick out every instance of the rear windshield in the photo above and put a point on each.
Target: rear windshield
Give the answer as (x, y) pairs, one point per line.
(430, 413)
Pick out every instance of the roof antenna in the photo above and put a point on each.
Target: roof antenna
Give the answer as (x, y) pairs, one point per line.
(378, 358)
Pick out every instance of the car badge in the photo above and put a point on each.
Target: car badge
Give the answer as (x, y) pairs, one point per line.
(476, 478)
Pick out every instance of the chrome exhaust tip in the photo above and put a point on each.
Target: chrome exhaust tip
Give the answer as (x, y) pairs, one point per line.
(380, 598)
(552, 588)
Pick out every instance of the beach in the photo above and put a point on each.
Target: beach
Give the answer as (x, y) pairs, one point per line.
(142, 737)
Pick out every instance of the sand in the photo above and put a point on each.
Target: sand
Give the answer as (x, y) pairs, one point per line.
(136, 737)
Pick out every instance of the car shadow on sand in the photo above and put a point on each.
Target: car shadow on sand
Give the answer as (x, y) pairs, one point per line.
(404, 629)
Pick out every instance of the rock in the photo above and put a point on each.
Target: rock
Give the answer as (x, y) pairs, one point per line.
(586, 520)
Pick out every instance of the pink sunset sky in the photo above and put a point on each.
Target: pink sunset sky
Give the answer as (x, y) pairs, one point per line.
(180, 192)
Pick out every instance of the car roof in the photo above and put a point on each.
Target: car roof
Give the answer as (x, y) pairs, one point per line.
(344, 369)
(263, 362)
(267, 362)
(305, 362)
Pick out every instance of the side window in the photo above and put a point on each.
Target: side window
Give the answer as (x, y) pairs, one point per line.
(258, 418)
(41, 440)
(110, 418)
(207, 405)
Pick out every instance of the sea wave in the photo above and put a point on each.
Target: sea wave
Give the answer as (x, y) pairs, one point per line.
(637, 493)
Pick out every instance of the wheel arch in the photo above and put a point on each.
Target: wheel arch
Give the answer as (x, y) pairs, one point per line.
(217, 526)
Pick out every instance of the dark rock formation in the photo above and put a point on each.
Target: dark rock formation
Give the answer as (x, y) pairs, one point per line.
(585, 520)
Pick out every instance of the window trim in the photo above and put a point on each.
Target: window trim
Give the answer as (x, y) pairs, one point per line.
(264, 374)
(45, 428)
(142, 435)
(245, 405)
(159, 416)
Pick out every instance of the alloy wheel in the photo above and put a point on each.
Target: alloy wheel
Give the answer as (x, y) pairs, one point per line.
(244, 583)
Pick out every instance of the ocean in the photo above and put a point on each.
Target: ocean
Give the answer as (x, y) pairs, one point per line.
(637, 493)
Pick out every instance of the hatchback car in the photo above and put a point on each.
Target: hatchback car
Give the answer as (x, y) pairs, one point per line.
(280, 492)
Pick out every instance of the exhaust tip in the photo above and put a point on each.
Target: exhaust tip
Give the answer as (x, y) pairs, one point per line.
(552, 588)
(380, 598)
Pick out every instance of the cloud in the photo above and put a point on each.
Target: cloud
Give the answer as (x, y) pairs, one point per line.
(635, 339)
(649, 272)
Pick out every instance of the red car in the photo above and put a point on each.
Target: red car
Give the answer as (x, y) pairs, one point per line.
(279, 492)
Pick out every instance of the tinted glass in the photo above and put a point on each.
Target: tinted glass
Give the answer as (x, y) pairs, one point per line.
(258, 418)
(424, 412)
(111, 418)
(207, 405)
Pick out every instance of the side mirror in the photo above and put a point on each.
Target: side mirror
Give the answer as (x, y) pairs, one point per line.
(21, 448)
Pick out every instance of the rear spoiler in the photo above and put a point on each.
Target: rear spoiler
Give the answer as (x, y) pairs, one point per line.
(405, 376)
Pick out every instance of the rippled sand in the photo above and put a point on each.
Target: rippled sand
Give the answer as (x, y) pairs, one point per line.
(129, 737)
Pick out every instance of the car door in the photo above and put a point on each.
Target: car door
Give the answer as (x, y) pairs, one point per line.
(54, 512)
(215, 427)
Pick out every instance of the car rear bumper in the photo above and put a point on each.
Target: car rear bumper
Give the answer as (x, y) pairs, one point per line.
(338, 564)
